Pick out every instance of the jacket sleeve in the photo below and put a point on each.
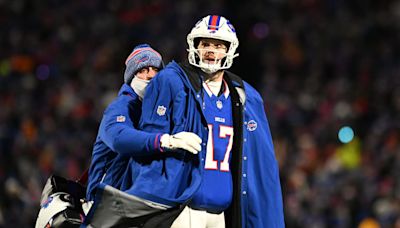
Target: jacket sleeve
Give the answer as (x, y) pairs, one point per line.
(158, 104)
(117, 131)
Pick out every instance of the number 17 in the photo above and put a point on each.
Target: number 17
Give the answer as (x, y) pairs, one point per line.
(224, 132)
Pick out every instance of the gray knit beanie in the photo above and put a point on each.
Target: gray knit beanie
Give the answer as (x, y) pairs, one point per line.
(142, 56)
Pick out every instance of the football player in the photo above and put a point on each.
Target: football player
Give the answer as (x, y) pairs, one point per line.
(235, 176)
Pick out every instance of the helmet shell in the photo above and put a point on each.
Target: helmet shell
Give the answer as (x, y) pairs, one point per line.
(213, 27)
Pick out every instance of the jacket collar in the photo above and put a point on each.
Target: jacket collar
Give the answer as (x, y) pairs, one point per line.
(127, 90)
(194, 75)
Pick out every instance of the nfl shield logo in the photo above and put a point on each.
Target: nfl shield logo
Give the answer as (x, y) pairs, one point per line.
(252, 125)
(219, 104)
(161, 110)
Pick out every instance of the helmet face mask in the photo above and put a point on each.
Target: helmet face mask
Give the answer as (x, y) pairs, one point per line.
(212, 27)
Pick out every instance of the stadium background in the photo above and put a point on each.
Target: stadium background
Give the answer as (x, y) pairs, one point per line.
(320, 65)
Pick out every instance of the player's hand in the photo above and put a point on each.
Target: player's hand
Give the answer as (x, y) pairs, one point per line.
(182, 140)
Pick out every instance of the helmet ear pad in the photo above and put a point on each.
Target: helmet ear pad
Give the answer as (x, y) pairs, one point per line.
(196, 42)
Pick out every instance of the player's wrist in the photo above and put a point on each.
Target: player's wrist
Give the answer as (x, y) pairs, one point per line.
(165, 142)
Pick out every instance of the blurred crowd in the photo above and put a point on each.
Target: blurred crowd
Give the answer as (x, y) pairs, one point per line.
(319, 65)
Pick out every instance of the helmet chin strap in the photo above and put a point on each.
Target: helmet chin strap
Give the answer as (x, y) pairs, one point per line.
(210, 68)
(207, 67)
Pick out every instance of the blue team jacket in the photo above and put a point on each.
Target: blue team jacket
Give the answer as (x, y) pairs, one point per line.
(118, 140)
(172, 103)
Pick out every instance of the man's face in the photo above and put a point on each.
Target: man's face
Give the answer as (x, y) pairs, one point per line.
(147, 73)
(211, 50)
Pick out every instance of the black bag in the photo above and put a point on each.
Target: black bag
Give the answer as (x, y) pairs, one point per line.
(61, 204)
(117, 209)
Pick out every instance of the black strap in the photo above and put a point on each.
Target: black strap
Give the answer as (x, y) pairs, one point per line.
(233, 215)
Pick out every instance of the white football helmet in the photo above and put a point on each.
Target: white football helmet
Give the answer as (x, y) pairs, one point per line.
(51, 207)
(213, 27)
